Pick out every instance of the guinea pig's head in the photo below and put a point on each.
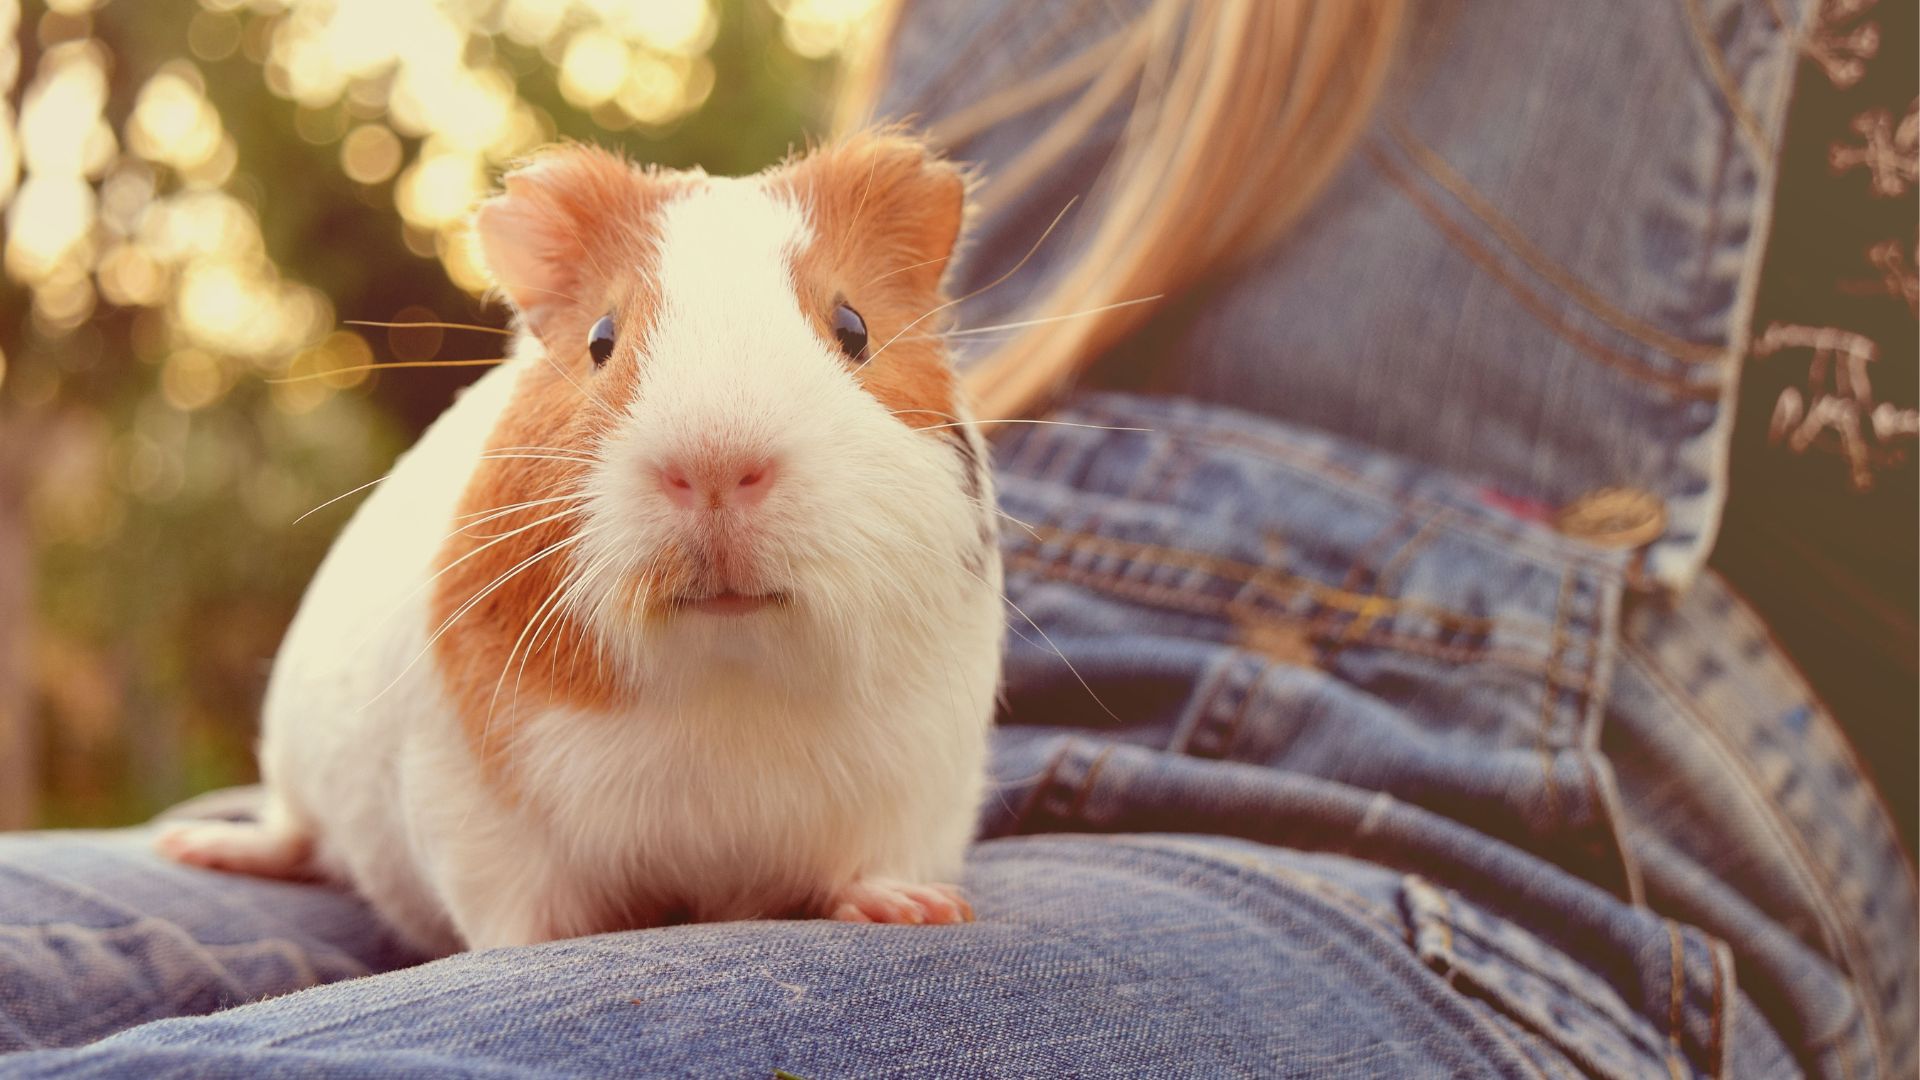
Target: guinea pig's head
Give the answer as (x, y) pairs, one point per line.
(735, 427)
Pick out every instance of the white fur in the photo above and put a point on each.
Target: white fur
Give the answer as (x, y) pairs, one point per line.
(775, 760)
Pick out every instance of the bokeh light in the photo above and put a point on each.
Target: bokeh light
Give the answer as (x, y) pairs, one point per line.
(195, 194)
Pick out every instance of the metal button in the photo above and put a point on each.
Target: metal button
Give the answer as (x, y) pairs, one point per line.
(1614, 517)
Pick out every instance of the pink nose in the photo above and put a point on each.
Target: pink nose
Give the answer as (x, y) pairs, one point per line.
(718, 481)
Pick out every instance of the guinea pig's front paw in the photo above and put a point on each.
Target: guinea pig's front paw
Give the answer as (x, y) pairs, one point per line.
(881, 900)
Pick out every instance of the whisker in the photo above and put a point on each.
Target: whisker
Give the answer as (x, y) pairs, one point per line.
(501, 511)
(439, 325)
(468, 528)
(546, 449)
(517, 570)
(416, 590)
(1084, 685)
(904, 269)
(331, 372)
(989, 285)
(1047, 423)
(547, 605)
(1054, 318)
(337, 498)
(519, 287)
(537, 457)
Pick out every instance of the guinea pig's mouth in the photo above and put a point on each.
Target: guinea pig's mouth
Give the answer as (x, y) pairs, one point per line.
(729, 602)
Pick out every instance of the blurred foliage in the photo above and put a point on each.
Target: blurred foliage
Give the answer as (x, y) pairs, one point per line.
(197, 196)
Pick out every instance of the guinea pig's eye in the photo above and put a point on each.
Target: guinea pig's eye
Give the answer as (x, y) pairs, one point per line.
(850, 330)
(600, 340)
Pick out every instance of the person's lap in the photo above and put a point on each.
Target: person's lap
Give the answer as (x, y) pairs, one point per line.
(1091, 956)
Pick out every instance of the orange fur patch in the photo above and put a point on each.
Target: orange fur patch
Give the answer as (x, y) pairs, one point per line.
(570, 242)
(885, 216)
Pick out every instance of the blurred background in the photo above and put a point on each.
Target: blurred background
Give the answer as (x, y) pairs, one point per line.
(196, 195)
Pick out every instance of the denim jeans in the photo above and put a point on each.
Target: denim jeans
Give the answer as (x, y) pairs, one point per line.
(1348, 733)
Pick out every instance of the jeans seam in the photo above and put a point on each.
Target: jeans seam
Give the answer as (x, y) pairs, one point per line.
(1720, 958)
(1047, 777)
(1541, 309)
(1328, 890)
(1361, 621)
(1076, 810)
(1435, 167)
(1148, 483)
(1605, 797)
(1544, 744)
(1208, 692)
(1244, 573)
(1728, 89)
(1153, 595)
(1676, 989)
(1833, 928)
(1231, 734)
(1451, 928)
(1506, 534)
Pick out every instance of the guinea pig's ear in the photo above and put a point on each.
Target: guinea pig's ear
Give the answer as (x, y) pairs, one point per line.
(898, 204)
(562, 225)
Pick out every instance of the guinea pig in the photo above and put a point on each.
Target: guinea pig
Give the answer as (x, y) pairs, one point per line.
(691, 609)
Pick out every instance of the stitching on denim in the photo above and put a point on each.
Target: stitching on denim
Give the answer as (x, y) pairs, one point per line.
(1730, 95)
(1548, 692)
(1196, 850)
(1834, 929)
(1047, 778)
(1384, 579)
(1184, 463)
(1369, 554)
(1200, 710)
(1587, 618)
(1170, 599)
(1586, 614)
(1149, 469)
(1080, 798)
(1606, 797)
(1618, 1016)
(1149, 483)
(1462, 241)
(1707, 247)
(1276, 583)
(1186, 603)
(1441, 172)
(1845, 1049)
(1676, 986)
(1231, 734)
(1429, 530)
(1503, 534)
(1742, 612)
(1377, 807)
(1720, 958)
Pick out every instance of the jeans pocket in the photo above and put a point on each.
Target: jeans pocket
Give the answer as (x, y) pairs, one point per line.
(1659, 1009)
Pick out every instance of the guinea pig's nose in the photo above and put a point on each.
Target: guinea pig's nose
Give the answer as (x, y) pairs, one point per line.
(715, 481)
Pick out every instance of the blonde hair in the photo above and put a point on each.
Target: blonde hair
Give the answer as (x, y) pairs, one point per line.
(1242, 111)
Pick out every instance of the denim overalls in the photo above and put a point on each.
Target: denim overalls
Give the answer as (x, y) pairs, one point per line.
(1369, 710)
(1408, 564)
